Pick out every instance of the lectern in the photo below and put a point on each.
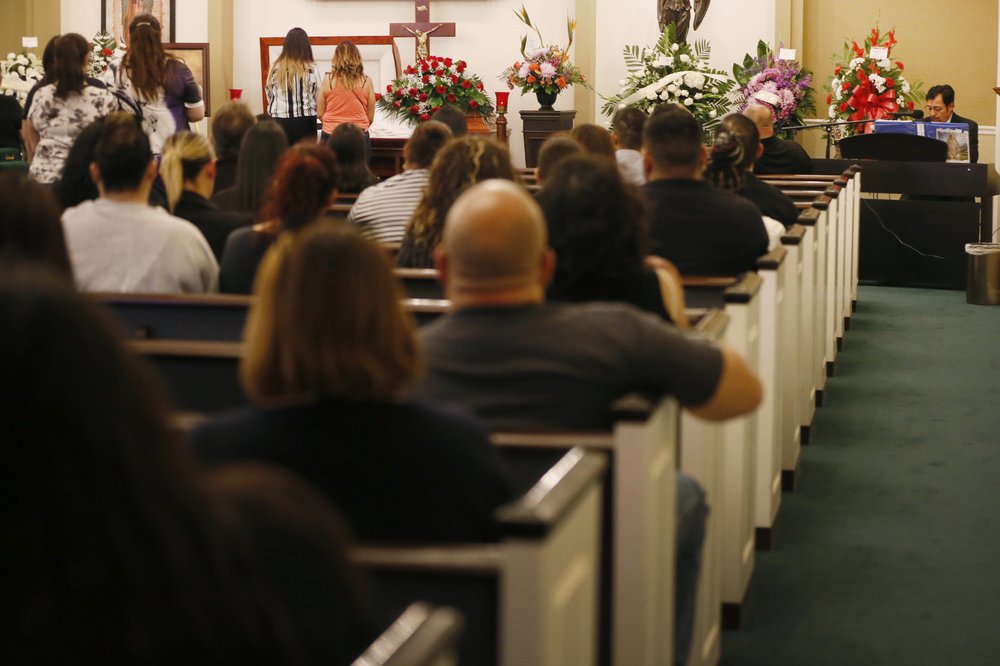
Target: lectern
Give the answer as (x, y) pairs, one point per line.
(540, 125)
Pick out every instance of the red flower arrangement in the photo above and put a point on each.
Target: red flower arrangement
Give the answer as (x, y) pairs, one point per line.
(430, 84)
(866, 88)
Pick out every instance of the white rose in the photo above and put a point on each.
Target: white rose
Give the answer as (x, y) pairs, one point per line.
(683, 92)
(694, 80)
(714, 90)
(684, 57)
(832, 113)
(673, 47)
(713, 113)
(838, 94)
(854, 64)
(905, 87)
(672, 87)
(664, 95)
(884, 63)
(11, 55)
(688, 102)
(651, 95)
(698, 96)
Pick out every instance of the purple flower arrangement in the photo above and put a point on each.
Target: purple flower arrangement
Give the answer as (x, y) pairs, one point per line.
(783, 86)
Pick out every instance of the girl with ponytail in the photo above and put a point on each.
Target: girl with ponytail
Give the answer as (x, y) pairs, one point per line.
(187, 168)
(62, 108)
(162, 86)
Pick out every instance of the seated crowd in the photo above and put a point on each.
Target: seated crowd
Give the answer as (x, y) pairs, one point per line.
(230, 543)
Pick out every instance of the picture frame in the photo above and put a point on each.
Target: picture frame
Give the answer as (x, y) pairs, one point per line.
(116, 14)
(196, 56)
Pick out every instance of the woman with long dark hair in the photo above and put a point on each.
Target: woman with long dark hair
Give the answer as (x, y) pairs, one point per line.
(261, 148)
(350, 146)
(304, 185)
(162, 85)
(61, 109)
(292, 86)
(598, 229)
(30, 228)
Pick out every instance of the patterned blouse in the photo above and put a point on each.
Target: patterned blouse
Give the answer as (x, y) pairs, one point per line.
(166, 113)
(292, 98)
(58, 123)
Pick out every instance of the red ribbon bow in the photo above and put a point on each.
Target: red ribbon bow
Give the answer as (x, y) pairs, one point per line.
(868, 104)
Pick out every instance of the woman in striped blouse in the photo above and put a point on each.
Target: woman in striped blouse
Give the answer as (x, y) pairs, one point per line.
(291, 88)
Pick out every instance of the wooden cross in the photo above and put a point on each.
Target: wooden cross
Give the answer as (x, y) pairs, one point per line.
(421, 29)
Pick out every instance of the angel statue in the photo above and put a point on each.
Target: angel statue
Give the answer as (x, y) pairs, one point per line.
(679, 12)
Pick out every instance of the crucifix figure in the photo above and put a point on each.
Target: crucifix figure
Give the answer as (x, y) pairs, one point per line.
(421, 29)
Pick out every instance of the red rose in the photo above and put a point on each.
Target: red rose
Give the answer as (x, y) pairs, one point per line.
(378, 96)
(466, 84)
(396, 104)
(448, 62)
(440, 90)
(909, 105)
(424, 117)
(388, 88)
(460, 67)
(439, 72)
(479, 86)
(900, 65)
(399, 93)
(426, 79)
(454, 78)
(434, 64)
(890, 83)
(423, 97)
(435, 109)
(845, 86)
(413, 92)
(473, 104)
(843, 107)
(451, 98)
(107, 52)
(414, 109)
(838, 70)
(829, 99)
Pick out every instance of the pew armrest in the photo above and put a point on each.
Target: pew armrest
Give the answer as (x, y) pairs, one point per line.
(809, 217)
(421, 635)
(416, 273)
(772, 260)
(712, 325)
(794, 235)
(745, 288)
(554, 495)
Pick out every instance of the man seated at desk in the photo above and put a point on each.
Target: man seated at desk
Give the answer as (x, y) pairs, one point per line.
(941, 109)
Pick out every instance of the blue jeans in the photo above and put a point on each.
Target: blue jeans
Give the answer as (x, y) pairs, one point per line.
(692, 511)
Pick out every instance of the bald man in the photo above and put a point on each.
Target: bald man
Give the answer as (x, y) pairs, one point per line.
(780, 155)
(518, 362)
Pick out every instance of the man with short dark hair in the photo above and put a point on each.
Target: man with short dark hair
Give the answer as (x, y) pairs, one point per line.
(941, 109)
(626, 133)
(780, 155)
(769, 199)
(519, 363)
(119, 243)
(701, 229)
(554, 150)
(230, 122)
(383, 211)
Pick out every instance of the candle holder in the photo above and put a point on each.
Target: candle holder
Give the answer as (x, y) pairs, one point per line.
(502, 98)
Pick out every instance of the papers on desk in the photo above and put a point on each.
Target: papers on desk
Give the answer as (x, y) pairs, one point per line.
(956, 135)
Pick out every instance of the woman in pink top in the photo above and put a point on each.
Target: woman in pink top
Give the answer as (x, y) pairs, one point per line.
(346, 95)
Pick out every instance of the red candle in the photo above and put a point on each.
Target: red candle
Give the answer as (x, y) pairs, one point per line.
(502, 100)
(235, 93)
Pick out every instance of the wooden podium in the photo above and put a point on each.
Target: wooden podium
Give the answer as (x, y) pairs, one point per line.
(540, 125)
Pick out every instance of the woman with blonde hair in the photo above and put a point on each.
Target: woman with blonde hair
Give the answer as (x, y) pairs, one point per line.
(346, 95)
(187, 169)
(329, 361)
(292, 88)
(460, 164)
(161, 84)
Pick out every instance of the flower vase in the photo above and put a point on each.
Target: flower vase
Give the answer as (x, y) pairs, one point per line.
(545, 99)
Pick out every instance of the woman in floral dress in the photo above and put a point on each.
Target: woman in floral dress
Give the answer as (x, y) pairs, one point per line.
(62, 108)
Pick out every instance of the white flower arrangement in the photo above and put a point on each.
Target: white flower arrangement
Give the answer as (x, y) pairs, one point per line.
(20, 73)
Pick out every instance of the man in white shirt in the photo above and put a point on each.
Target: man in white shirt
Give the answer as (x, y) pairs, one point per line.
(383, 211)
(119, 243)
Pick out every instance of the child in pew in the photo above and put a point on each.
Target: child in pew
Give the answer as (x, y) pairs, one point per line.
(115, 549)
(330, 358)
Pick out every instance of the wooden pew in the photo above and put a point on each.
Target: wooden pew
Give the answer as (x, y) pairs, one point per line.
(638, 533)
(740, 298)
(792, 358)
(216, 317)
(420, 282)
(701, 457)
(529, 599)
(422, 634)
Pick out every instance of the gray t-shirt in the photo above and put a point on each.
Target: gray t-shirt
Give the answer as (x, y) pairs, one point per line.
(561, 365)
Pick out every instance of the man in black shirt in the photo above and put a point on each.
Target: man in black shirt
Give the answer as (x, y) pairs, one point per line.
(780, 155)
(701, 229)
(769, 199)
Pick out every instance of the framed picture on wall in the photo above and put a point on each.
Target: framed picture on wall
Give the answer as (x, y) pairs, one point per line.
(195, 56)
(116, 15)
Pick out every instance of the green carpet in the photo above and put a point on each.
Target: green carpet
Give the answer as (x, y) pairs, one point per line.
(888, 552)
